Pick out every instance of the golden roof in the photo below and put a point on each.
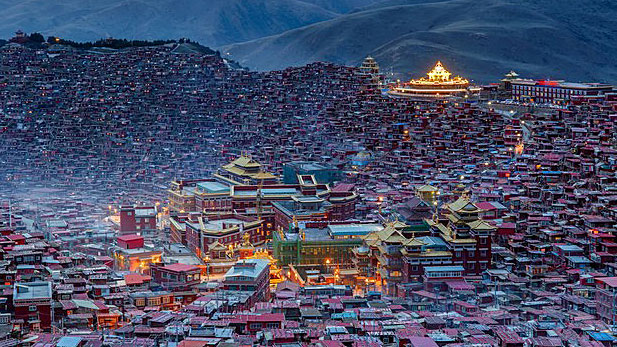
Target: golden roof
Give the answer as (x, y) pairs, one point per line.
(372, 243)
(263, 175)
(241, 171)
(413, 242)
(398, 225)
(454, 219)
(246, 244)
(370, 236)
(480, 225)
(236, 170)
(391, 235)
(463, 205)
(245, 161)
(440, 75)
(444, 229)
(427, 188)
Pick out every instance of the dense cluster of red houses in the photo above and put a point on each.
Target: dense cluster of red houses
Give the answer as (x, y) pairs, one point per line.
(457, 222)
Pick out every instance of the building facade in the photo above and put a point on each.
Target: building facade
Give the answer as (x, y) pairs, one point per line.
(176, 276)
(318, 243)
(131, 254)
(32, 304)
(249, 275)
(138, 219)
(555, 92)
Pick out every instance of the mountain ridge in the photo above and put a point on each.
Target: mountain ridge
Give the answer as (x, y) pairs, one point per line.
(213, 22)
(571, 40)
(494, 36)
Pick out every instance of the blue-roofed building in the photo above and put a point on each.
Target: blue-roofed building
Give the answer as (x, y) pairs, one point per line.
(578, 262)
(601, 336)
(213, 187)
(347, 231)
(347, 315)
(564, 251)
(69, 341)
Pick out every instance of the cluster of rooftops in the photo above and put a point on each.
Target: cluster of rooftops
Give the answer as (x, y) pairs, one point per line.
(476, 222)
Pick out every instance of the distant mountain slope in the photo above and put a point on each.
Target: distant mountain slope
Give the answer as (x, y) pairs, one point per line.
(342, 6)
(211, 22)
(479, 39)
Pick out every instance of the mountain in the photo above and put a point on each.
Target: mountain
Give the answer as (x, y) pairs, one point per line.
(478, 39)
(211, 22)
(343, 6)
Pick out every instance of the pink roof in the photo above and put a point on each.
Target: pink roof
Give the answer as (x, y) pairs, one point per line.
(460, 285)
(135, 279)
(610, 281)
(417, 341)
(464, 304)
(486, 206)
(15, 237)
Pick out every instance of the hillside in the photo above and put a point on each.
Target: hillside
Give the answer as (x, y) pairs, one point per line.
(212, 22)
(479, 39)
(482, 40)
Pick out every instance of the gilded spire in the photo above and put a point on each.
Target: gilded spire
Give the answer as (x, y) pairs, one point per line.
(439, 73)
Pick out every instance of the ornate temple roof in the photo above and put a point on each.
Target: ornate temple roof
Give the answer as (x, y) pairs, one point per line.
(480, 225)
(439, 74)
(414, 242)
(463, 205)
(245, 162)
(391, 235)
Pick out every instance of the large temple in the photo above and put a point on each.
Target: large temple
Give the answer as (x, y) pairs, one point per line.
(439, 84)
(400, 256)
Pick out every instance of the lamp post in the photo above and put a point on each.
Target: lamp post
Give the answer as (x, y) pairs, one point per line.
(207, 260)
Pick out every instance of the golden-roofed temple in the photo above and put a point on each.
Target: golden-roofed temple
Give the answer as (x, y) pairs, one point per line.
(438, 84)
(245, 170)
(398, 254)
